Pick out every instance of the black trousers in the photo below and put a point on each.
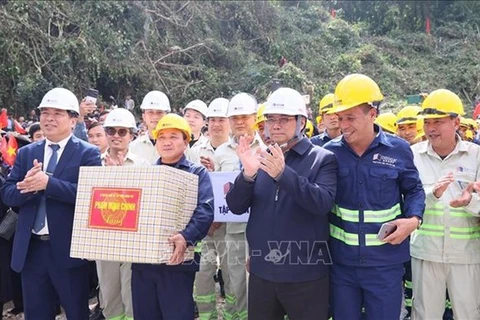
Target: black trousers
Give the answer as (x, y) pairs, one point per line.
(299, 301)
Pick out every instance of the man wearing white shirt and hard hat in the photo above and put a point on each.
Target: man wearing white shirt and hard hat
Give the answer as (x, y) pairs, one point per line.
(154, 106)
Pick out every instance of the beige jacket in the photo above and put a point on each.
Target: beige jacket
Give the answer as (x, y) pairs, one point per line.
(226, 159)
(199, 149)
(143, 147)
(203, 150)
(131, 159)
(448, 235)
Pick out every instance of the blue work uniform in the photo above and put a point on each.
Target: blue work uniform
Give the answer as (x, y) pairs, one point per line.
(160, 291)
(321, 139)
(379, 186)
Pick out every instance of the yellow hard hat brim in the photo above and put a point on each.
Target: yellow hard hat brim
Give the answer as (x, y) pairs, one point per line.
(407, 122)
(337, 109)
(433, 116)
(156, 132)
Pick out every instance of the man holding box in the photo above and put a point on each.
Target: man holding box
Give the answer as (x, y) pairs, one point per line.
(165, 291)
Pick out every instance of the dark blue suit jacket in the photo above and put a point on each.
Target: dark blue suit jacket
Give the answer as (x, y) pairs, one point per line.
(61, 193)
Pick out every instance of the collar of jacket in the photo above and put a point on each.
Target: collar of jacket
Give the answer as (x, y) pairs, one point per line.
(256, 141)
(461, 146)
(181, 163)
(301, 146)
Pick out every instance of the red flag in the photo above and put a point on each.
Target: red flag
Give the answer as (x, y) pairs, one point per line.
(427, 25)
(3, 119)
(9, 150)
(4, 145)
(19, 128)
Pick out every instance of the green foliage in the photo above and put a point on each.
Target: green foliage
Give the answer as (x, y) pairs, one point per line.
(203, 50)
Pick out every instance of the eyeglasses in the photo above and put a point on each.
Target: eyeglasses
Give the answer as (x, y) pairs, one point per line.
(112, 131)
(282, 120)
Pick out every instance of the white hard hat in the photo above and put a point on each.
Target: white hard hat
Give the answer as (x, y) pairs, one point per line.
(120, 117)
(218, 108)
(60, 98)
(156, 100)
(197, 105)
(286, 101)
(242, 104)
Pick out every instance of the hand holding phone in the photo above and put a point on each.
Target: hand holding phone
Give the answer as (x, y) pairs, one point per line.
(91, 96)
(385, 230)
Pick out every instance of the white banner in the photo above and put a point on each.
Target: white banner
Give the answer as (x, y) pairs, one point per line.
(222, 182)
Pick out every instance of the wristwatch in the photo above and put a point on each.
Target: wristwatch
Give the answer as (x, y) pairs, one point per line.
(419, 221)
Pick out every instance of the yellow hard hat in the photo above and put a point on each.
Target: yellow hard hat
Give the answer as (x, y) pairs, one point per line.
(326, 104)
(260, 116)
(318, 119)
(408, 115)
(473, 124)
(387, 121)
(441, 103)
(469, 134)
(354, 90)
(173, 121)
(465, 122)
(309, 129)
(420, 131)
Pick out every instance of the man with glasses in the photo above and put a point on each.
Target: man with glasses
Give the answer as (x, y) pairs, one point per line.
(290, 189)
(445, 250)
(115, 277)
(154, 106)
(43, 184)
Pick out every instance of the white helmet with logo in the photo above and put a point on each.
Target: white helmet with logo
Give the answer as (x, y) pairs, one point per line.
(60, 98)
(286, 101)
(242, 104)
(218, 108)
(197, 105)
(120, 117)
(156, 100)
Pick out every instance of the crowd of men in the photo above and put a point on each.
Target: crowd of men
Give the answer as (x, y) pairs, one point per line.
(376, 217)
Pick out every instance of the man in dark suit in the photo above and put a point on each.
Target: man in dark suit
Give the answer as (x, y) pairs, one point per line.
(290, 189)
(43, 184)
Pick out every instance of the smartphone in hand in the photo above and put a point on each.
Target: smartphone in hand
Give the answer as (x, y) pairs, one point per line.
(91, 96)
(385, 230)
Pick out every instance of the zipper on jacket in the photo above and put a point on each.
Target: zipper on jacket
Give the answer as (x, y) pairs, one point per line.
(276, 194)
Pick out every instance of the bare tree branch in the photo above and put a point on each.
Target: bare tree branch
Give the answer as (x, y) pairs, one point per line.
(201, 44)
(184, 93)
(172, 16)
(183, 7)
(154, 68)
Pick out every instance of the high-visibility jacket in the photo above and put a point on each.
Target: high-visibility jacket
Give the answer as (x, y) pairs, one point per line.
(377, 187)
(448, 235)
